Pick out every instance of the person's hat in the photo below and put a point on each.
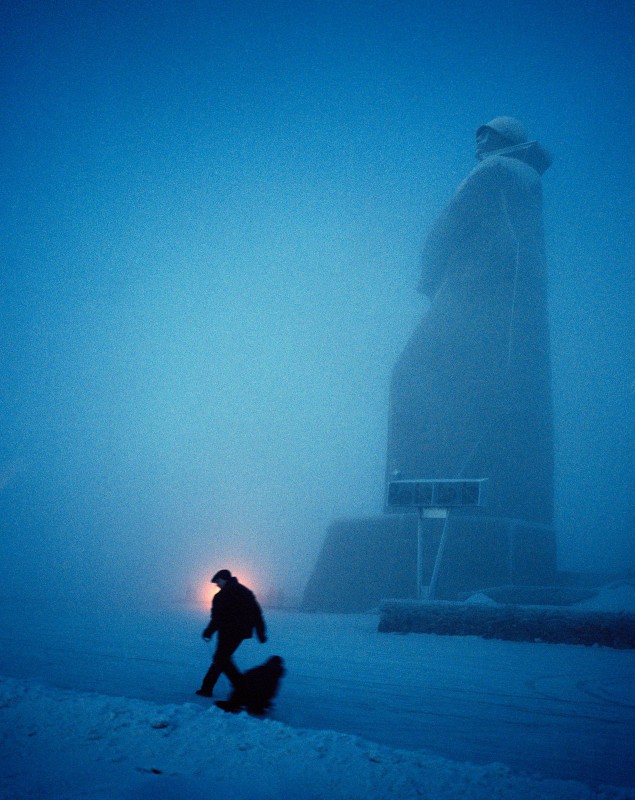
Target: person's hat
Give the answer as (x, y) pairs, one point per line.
(222, 574)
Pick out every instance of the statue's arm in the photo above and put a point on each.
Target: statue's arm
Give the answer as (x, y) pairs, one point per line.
(444, 242)
(478, 219)
(436, 254)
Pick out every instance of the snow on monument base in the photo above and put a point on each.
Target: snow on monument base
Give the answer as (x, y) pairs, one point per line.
(363, 561)
(550, 624)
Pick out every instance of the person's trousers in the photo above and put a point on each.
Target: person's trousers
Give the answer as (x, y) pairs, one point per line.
(226, 646)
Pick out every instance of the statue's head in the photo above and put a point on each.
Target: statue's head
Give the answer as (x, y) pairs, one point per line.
(498, 134)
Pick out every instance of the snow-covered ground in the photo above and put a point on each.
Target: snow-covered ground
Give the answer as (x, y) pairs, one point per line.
(99, 704)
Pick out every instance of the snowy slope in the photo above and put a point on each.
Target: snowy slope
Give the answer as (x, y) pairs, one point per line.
(59, 744)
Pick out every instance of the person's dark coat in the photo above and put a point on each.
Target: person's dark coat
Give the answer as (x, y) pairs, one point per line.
(257, 688)
(236, 613)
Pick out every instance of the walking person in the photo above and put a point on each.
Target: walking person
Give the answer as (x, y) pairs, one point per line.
(235, 615)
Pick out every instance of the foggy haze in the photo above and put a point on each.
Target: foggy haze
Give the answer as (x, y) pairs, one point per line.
(213, 218)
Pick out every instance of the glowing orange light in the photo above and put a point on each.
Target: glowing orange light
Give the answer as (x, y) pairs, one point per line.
(206, 590)
(245, 578)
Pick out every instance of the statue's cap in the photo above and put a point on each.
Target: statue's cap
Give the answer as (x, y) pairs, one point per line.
(510, 128)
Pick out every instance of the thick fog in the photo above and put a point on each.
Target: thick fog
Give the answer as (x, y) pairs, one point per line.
(212, 222)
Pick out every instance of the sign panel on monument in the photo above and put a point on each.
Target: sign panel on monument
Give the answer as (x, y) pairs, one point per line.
(452, 493)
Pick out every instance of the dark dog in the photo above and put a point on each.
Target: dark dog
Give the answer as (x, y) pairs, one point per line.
(257, 688)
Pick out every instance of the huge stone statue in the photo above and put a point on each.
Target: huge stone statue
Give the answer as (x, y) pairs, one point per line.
(471, 393)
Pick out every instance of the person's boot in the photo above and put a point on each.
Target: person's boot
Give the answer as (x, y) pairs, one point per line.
(209, 681)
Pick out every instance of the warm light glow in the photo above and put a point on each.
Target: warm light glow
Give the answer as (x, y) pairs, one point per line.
(206, 589)
(205, 593)
(246, 578)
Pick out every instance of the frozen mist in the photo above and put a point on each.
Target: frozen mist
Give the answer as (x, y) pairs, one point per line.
(212, 219)
(213, 223)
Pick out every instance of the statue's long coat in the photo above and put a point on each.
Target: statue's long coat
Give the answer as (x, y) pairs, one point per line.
(471, 393)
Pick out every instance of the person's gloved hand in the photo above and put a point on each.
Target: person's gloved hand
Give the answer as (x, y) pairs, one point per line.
(206, 635)
(262, 638)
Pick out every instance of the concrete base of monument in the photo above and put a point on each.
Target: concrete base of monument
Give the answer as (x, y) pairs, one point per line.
(366, 559)
(525, 623)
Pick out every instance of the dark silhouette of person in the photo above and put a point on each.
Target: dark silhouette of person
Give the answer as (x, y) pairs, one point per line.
(257, 688)
(234, 616)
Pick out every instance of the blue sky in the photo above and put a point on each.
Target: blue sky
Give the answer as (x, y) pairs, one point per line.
(212, 219)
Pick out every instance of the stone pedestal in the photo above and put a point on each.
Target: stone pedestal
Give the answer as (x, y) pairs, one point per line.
(366, 560)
